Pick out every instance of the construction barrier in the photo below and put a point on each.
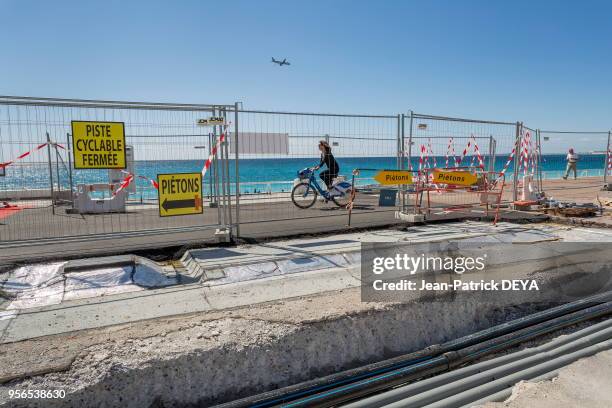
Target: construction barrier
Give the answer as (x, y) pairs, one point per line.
(463, 191)
(247, 173)
(387, 183)
(88, 169)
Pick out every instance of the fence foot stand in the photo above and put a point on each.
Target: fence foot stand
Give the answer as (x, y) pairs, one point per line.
(223, 235)
(409, 217)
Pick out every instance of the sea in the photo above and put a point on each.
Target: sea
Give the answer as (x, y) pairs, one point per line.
(261, 175)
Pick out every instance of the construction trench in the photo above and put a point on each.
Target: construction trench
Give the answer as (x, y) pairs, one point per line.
(237, 323)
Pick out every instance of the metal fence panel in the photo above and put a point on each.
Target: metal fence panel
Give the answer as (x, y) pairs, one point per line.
(591, 147)
(254, 170)
(279, 144)
(441, 142)
(40, 186)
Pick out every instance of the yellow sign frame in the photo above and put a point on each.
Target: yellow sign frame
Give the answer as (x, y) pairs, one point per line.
(212, 121)
(389, 177)
(181, 202)
(458, 178)
(94, 142)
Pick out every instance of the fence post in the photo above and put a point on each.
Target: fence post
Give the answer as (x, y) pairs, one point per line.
(517, 154)
(215, 168)
(236, 159)
(607, 159)
(400, 158)
(69, 153)
(400, 148)
(410, 140)
(221, 167)
(50, 174)
(211, 181)
(399, 142)
(57, 171)
(539, 159)
(491, 153)
(410, 147)
(226, 172)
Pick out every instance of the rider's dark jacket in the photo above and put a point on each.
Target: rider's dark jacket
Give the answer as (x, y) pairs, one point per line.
(331, 163)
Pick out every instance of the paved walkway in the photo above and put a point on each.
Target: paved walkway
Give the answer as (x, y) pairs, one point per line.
(69, 234)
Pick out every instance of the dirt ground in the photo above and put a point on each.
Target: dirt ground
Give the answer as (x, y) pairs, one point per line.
(56, 353)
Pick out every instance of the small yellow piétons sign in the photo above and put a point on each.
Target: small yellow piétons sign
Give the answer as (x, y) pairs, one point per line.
(460, 178)
(391, 177)
(179, 194)
(98, 145)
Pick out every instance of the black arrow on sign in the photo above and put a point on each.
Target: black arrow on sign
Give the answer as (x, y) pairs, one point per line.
(175, 204)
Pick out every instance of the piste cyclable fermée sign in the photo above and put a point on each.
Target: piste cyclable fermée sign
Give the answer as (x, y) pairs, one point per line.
(180, 194)
(98, 145)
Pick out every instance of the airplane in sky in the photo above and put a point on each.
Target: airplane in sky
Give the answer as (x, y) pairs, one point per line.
(280, 63)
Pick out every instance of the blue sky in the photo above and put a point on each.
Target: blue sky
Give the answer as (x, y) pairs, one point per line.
(548, 63)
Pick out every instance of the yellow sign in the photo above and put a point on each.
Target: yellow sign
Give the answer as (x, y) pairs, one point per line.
(179, 194)
(212, 121)
(98, 145)
(460, 178)
(390, 177)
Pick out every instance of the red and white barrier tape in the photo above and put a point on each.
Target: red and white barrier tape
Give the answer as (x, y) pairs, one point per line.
(448, 148)
(421, 157)
(450, 151)
(478, 155)
(213, 152)
(124, 184)
(469, 144)
(151, 181)
(506, 166)
(526, 147)
(433, 156)
(129, 178)
(508, 161)
(26, 154)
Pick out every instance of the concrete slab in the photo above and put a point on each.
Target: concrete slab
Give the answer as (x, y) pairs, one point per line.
(276, 271)
(36, 286)
(99, 282)
(122, 308)
(305, 264)
(44, 296)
